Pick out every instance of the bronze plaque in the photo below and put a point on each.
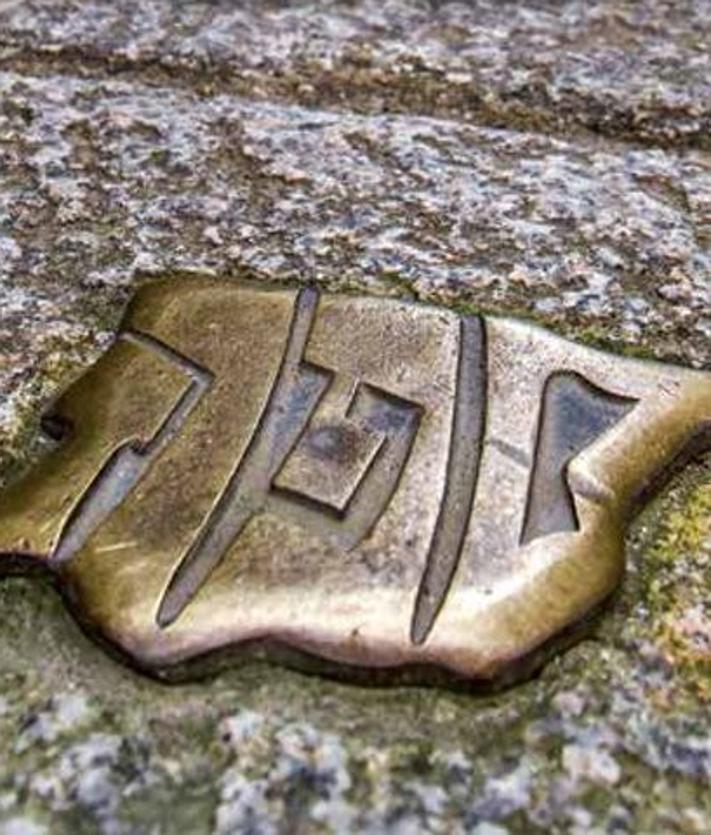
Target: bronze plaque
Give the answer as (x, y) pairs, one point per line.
(367, 483)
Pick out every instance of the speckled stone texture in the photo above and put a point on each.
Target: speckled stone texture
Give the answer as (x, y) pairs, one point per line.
(545, 159)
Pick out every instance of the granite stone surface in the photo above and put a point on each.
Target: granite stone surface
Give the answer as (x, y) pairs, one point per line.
(544, 159)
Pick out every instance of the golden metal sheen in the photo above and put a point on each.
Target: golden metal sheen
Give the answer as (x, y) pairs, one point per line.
(366, 483)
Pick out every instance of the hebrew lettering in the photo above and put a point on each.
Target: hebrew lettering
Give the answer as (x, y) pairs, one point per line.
(360, 484)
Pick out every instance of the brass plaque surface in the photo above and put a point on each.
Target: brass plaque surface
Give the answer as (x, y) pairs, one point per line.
(368, 483)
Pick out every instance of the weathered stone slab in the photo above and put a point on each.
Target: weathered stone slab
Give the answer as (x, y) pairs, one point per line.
(623, 69)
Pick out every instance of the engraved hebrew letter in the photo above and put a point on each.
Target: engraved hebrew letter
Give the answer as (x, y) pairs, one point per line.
(574, 413)
(297, 389)
(343, 472)
(334, 475)
(127, 465)
(462, 472)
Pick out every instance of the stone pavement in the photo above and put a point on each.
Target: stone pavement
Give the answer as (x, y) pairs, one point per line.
(548, 160)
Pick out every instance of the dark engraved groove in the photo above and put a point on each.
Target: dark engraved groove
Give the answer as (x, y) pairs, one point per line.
(468, 426)
(574, 413)
(127, 465)
(296, 392)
